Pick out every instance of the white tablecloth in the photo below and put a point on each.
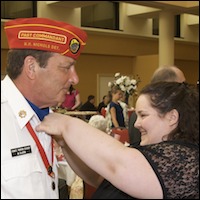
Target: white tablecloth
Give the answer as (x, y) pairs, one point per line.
(75, 182)
(65, 172)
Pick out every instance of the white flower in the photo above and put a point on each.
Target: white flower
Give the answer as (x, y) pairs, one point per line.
(133, 82)
(130, 87)
(122, 87)
(117, 75)
(110, 84)
(119, 81)
(125, 83)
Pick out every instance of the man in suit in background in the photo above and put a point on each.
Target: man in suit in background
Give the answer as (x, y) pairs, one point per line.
(104, 103)
(89, 105)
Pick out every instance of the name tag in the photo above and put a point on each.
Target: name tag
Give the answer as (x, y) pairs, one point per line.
(21, 151)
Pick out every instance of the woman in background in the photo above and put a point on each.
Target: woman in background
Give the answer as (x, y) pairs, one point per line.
(115, 109)
(72, 99)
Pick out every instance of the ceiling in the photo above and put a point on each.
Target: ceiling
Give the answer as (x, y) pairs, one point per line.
(73, 4)
(178, 7)
(189, 7)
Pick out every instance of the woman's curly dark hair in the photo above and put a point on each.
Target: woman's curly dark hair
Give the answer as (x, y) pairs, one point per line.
(166, 96)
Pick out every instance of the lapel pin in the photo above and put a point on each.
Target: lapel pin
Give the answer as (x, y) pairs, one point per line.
(22, 113)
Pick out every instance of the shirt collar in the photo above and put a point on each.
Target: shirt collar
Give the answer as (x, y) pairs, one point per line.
(41, 113)
(19, 105)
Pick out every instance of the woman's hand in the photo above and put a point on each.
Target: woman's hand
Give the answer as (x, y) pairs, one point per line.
(53, 124)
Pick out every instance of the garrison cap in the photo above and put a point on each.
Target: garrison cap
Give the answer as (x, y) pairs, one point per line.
(46, 35)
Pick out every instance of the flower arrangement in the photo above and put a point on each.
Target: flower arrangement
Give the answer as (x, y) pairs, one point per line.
(125, 83)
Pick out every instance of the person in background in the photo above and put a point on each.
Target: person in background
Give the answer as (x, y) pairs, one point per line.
(168, 73)
(40, 70)
(163, 73)
(165, 165)
(115, 109)
(104, 103)
(124, 104)
(89, 105)
(99, 122)
(72, 99)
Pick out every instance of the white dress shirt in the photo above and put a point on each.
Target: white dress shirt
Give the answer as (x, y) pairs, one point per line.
(23, 173)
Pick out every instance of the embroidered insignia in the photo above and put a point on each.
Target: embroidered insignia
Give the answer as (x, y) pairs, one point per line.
(74, 46)
(22, 113)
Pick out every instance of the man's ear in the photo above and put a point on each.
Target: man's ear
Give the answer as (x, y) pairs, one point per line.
(173, 117)
(29, 66)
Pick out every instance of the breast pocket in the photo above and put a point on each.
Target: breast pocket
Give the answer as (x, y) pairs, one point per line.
(20, 167)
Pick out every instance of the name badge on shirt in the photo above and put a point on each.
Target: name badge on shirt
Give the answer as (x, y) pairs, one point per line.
(21, 151)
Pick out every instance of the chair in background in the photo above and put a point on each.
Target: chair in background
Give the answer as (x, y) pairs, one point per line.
(88, 190)
(122, 133)
(103, 112)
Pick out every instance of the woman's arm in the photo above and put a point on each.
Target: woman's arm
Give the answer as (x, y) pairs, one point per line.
(114, 117)
(78, 166)
(77, 101)
(126, 168)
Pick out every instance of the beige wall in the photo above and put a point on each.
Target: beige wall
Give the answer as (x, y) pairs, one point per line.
(190, 69)
(89, 66)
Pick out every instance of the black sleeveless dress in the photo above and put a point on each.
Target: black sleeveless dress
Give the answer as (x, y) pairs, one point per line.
(176, 165)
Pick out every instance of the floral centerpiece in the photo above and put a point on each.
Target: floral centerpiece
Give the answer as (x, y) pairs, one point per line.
(126, 84)
(129, 87)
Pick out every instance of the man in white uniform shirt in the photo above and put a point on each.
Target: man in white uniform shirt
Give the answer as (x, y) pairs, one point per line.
(40, 70)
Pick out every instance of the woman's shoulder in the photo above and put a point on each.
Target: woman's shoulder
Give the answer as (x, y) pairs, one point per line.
(170, 150)
(75, 92)
(171, 145)
(112, 104)
(174, 162)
